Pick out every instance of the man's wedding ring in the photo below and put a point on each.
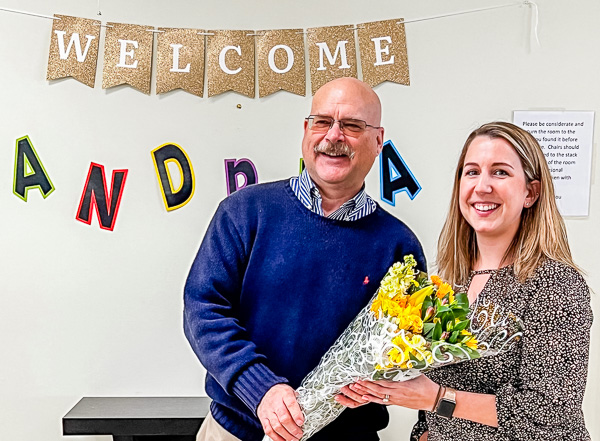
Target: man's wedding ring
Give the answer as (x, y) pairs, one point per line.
(386, 398)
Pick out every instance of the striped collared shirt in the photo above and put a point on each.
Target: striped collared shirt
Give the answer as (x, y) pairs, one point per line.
(307, 192)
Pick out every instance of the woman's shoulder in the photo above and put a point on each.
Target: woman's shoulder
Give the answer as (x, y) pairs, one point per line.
(561, 282)
(554, 271)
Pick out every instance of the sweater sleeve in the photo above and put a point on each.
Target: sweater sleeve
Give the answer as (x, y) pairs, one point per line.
(546, 403)
(211, 305)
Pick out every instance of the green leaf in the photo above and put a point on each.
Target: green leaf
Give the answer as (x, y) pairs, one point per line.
(453, 337)
(443, 308)
(426, 304)
(462, 299)
(472, 353)
(437, 331)
(428, 329)
(464, 324)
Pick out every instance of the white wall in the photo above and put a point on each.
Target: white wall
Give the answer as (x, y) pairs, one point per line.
(87, 312)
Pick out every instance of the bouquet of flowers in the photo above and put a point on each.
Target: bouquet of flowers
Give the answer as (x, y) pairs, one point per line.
(411, 325)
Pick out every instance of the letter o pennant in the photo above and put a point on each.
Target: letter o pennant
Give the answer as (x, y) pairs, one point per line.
(172, 153)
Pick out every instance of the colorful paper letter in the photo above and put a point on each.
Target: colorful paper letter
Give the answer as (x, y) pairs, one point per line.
(243, 168)
(395, 175)
(29, 171)
(95, 194)
(163, 155)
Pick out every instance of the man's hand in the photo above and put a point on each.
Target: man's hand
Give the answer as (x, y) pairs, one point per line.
(349, 398)
(280, 414)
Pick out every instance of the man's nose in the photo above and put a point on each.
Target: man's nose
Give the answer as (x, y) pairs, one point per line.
(335, 133)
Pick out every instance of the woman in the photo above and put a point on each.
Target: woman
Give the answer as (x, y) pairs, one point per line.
(505, 243)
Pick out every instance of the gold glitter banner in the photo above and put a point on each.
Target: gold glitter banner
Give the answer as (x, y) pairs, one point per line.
(180, 60)
(281, 66)
(383, 52)
(230, 62)
(332, 54)
(74, 49)
(128, 56)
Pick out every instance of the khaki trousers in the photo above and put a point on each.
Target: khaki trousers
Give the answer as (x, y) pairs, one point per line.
(210, 430)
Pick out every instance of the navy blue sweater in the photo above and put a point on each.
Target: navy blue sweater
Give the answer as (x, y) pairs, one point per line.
(272, 287)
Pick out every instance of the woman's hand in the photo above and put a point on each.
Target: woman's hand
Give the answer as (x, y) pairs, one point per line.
(349, 398)
(418, 393)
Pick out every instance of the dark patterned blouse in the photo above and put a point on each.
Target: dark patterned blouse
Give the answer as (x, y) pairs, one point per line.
(540, 382)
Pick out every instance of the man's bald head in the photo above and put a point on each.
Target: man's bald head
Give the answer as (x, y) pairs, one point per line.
(348, 89)
(339, 157)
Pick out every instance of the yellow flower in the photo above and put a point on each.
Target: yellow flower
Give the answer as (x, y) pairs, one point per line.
(417, 298)
(436, 280)
(409, 319)
(444, 289)
(391, 307)
(406, 345)
(470, 342)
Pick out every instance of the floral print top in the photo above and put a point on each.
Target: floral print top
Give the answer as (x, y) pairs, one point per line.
(540, 382)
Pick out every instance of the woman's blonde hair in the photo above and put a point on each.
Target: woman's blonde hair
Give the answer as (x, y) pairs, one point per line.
(541, 234)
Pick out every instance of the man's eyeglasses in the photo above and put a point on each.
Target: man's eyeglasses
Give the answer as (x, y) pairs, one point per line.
(318, 123)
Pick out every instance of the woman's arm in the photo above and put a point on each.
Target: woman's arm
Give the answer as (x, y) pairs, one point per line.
(421, 393)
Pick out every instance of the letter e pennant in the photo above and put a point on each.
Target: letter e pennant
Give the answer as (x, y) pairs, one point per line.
(128, 56)
(383, 54)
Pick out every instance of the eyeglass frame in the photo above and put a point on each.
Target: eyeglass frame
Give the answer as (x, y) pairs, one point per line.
(340, 121)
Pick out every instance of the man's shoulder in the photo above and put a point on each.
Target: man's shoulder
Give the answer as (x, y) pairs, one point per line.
(388, 218)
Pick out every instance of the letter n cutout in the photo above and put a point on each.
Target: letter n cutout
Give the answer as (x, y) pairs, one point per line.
(95, 195)
(172, 153)
(243, 167)
(29, 171)
(395, 175)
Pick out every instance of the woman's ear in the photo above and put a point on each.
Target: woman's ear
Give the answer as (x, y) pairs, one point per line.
(533, 189)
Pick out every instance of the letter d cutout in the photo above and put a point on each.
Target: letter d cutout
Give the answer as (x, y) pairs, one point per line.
(173, 197)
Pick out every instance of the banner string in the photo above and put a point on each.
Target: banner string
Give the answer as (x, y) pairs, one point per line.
(28, 13)
(470, 11)
(532, 4)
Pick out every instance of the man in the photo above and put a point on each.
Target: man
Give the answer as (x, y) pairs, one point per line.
(283, 269)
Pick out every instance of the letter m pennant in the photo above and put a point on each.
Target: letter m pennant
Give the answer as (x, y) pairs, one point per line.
(95, 195)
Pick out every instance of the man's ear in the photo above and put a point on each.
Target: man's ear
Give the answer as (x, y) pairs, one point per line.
(380, 132)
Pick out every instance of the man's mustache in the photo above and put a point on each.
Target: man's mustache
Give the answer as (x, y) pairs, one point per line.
(334, 149)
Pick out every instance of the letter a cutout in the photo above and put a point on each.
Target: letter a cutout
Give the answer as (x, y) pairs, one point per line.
(395, 175)
(172, 153)
(95, 195)
(29, 171)
(244, 168)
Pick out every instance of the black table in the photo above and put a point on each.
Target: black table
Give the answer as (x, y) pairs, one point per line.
(138, 418)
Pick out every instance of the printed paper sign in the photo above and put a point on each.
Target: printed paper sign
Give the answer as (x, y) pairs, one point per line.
(566, 139)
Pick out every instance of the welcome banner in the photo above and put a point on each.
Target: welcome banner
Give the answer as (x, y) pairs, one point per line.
(231, 56)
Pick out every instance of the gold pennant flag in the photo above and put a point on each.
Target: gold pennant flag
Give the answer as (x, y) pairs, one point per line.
(74, 49)
(383, 53)
(180, 60)
(332, 54)
(230, 59)
(280, 55)
(128, 56)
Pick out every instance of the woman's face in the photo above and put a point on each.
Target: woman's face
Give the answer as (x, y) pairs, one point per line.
(493, 189)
